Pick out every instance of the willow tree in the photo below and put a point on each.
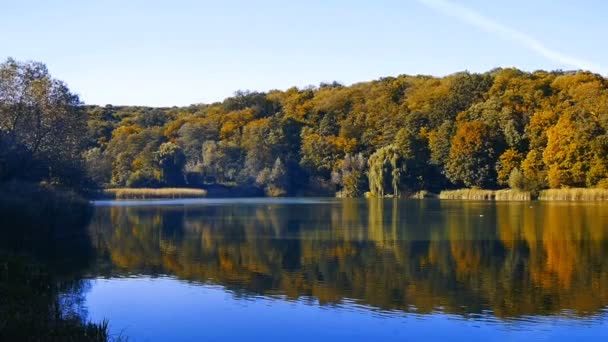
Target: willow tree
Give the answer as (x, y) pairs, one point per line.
(386, 167)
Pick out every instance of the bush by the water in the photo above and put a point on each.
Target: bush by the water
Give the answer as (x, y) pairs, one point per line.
(40, 209)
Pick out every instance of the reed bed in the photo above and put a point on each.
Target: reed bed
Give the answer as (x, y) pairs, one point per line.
(574, 194)
(467, 194)
(148, 193)
(512, 195)
(486, 195)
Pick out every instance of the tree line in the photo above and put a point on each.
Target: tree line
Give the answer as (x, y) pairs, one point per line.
(390, 137)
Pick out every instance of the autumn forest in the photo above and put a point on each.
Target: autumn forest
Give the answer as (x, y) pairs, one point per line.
(394, 136)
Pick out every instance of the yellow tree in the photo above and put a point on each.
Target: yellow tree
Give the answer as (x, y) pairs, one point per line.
(568, 152)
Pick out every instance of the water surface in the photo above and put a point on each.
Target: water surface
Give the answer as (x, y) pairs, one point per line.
(326, 269)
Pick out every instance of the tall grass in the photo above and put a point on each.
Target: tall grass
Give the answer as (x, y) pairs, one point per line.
(574, 194)
(467, 194)
(486, 195)
(147, 193)
(512, 195)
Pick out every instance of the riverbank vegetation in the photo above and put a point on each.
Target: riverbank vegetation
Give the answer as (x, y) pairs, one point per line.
(492, 195)
(467, 194)
(134, 193)
(43, 219)
(42, 138)
(41, 209)
(576, 194)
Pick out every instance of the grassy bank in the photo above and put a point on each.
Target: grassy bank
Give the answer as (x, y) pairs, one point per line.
(147, 193)
(574, 194)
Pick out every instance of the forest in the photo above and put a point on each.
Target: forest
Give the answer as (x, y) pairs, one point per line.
(394, 136)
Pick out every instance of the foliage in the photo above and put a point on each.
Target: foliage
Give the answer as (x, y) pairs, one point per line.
(507, 162)
(517, 180)
(351, 175)
(569, 153)
(463, 129)
(386, 168)
(275, 180)
(171, 161)
(473, 154)
(42, 126)
(41, 210)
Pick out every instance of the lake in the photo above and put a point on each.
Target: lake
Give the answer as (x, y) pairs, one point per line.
(327, 269)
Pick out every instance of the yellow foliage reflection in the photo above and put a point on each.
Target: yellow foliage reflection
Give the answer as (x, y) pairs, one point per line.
(511, 258)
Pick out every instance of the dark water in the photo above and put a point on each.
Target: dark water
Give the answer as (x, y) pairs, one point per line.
(307, 269)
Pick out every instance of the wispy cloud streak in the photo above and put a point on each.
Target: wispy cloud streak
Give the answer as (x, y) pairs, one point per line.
(487, 24)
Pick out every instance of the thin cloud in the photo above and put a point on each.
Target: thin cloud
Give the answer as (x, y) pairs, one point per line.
(489, 25)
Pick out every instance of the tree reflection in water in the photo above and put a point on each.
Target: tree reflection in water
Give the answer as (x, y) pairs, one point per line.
(512, 259)
(42, 281)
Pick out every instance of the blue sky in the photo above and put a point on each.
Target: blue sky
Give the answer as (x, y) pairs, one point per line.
(164, 53)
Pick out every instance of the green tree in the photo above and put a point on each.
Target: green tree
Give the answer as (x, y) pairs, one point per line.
(473, 155)
(275, 180)
(329, 124)
(98, 166)
(351, 175)
(508, 161)
(439, 143)
(534, 171)
(171, 161)
(42, 126)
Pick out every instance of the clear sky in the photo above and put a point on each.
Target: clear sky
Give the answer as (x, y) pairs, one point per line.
(179, 52)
